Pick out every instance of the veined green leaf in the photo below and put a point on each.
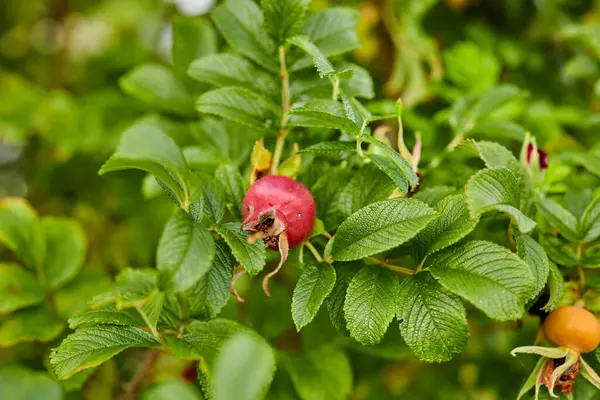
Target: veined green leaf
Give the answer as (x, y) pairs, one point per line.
(535, 256)
(241, 23)
(330, 147)
(337, 298)
(556, 284)
(393, 164)
(186, 251)
(379, 227)
(210, 294)
(38, 324)
(157, 86)
(107, 315)
(589, 227)
(21, 231)
(234, 185)
(19, 288)
(322, 373)
(322, 114)
(497, 189)
(371, 301)
(145, 147)
(433, 320)
(453, 224)
(249, 362)
(65, 250)
(314, 285)
(284, 18)
(252, 257)
(490, 276)
(322, 64)
(226, 69)
(495, 155)
(333, 31)
(89, 347)
(240, 105)
(213, 197)
(560, 218)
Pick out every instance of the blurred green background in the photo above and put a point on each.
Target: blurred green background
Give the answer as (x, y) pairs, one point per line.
(62, 112)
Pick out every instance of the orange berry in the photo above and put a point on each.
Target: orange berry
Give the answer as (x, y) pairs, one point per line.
(573, 327)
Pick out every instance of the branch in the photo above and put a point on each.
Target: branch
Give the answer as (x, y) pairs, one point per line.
(285, 107)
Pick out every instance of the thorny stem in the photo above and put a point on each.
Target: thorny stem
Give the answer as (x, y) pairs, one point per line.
(132, 388)
(314, 251)
(392, 267)
(285, 108)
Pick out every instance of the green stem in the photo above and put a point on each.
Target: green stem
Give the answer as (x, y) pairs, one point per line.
(336, 88)
(185, 315)
(285, 108)
(392, 267)
(314, 251)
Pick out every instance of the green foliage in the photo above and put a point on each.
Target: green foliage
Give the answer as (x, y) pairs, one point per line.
(403, 118)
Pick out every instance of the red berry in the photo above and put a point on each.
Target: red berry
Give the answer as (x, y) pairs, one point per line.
(288, 200)
(282, 212)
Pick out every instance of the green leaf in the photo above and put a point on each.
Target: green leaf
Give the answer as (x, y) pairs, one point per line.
(37, 324)
(157, 86)
(497, 189)
(558, 251)
(535, 256)
(393, 164)
(330, 147)
(323, 66)
(379, 227)
(333, 31)
(490, 276)
(234, 185)
(360, 84)
(322, 373)
(192, 38)
(498, 130)
(431, 196)
(560, 218)
(205, 339)
(337, 298)
(244, 368)
(214, 198)
(433, 320)
(365, 186)
(211, 293)
(242, 25)
(20, 383)
(185, 252)
(240, 105)
(171, 389)
(284, 18)
(65, 250)
(107, 315)
(589, 227)
(495, 155)
(314, 285)
(453, 224)
(493, 99)
(226, 69)
(326, 190)
(556, 284)
(147, 148)
(370, 305)
(322, 114)
(471, 67)
(20, 231)
(89, 347)
(135, 288)
(252, 257)
(19, 288)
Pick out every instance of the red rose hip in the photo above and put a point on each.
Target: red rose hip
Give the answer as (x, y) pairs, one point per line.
(280, 210)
